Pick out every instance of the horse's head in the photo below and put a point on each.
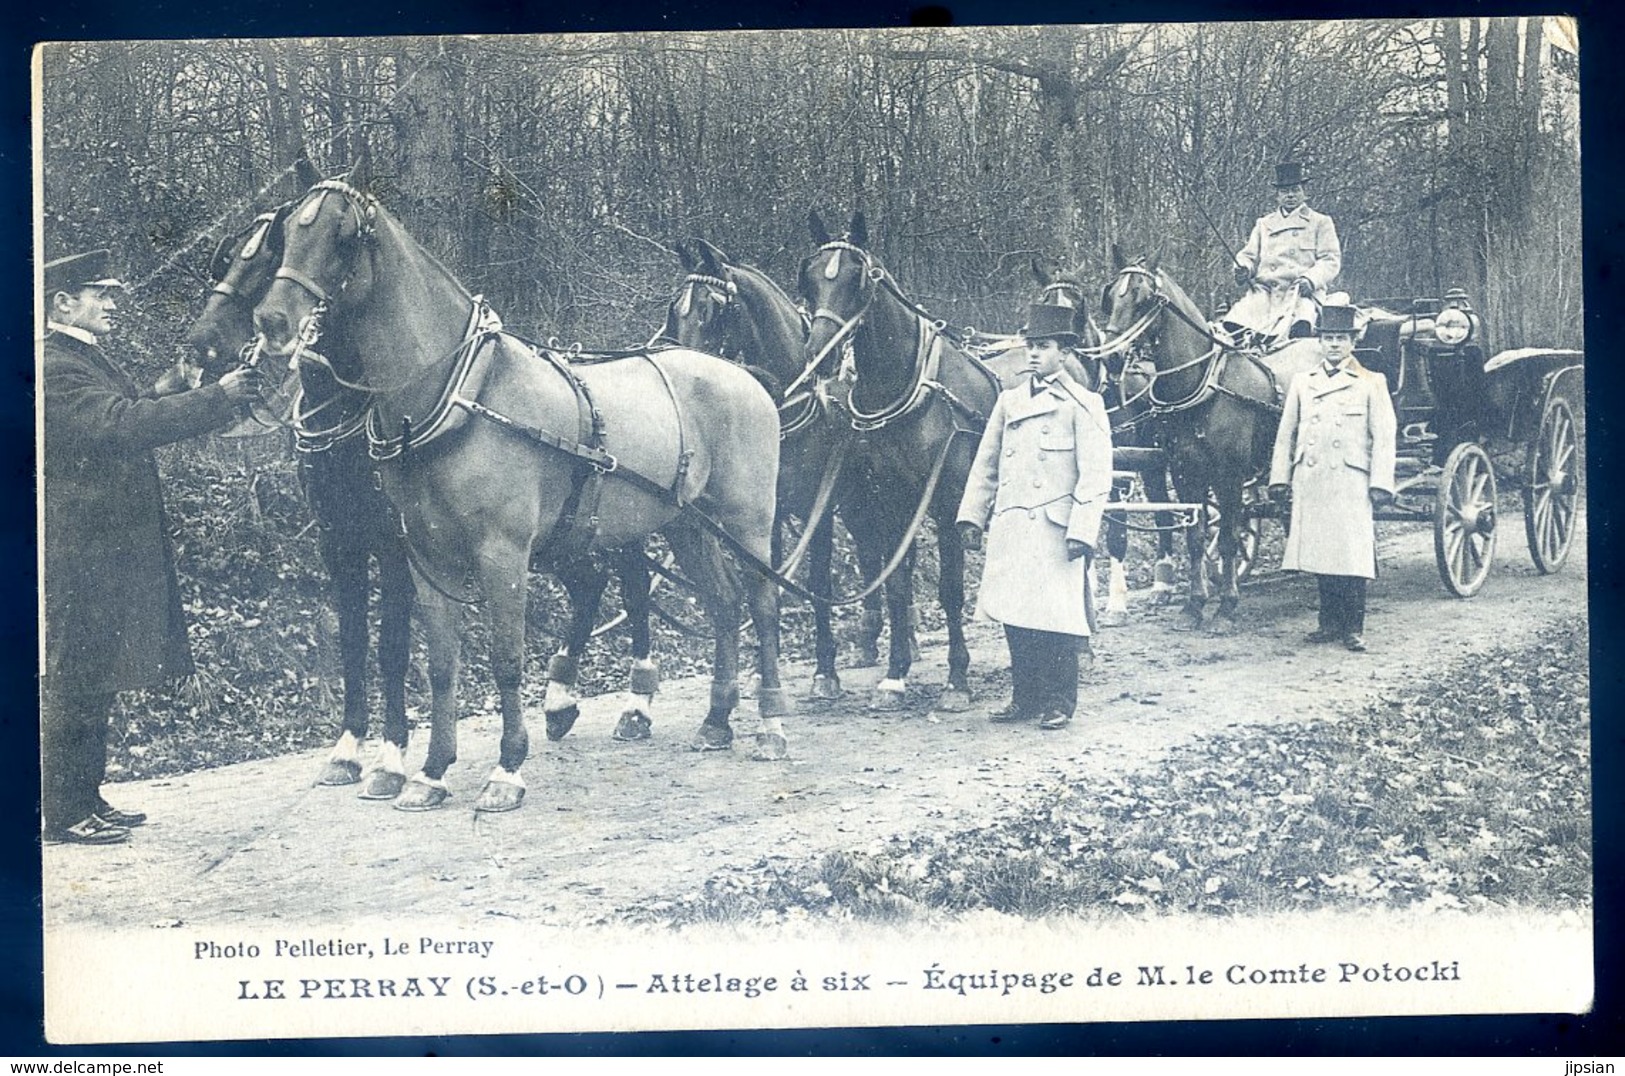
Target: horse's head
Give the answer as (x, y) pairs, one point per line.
(704, 312)
(838, 280)
(1134, 292)
(327, 264)
(242, 268)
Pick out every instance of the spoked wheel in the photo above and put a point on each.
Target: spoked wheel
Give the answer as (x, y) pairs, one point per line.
(1246, 540)
(1551, 486)
(1464, 520)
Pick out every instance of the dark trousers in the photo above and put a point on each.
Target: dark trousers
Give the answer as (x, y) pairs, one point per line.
(73, 755)
(1043, 670)
(1342, 604)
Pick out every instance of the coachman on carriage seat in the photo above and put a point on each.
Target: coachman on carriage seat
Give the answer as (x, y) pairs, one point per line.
(1287, 264)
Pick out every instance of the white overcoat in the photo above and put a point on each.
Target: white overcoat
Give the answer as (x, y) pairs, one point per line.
(1335, 445)
(1283, 249)
(1042, 475)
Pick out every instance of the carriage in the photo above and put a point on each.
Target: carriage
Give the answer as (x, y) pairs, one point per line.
(1468, 422)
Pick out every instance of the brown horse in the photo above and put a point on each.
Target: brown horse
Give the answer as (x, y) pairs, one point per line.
(1214, 408)
(498, 453)
(738, 312)
(919, 403)
(358, 525)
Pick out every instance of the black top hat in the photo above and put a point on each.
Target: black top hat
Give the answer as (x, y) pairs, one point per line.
(1335, 319)
(1289, 174)
(1048, 322)
(92, 269)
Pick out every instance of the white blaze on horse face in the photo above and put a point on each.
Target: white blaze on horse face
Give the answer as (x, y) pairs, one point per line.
(833, 269)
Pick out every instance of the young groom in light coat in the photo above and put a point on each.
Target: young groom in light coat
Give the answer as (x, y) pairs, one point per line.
(1335, 448)
(1039, 485)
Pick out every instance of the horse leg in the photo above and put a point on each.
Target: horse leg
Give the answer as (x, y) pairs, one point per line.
(584, 584)
(826, 683)
(1230, 508)
(955, 698)
(1116, 610)
(643, 677)
(442, 630)
(700, 557)
(347, 576)
(772, 700)
(504, 579)
(889, 693)
(388, 774)
(1193, 491)
(871, 560)
(1155, 481)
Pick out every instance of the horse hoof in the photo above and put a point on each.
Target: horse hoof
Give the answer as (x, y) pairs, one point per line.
(825, 688)
(633, 725)
(421, 796)
(953, 700)
(1188, 622)
(1222, 625)
(499, 796)
(560, 722)
(382, 785)
(868, 656)
(770, 747)
(886, 699)
(347, 772)
(1111, 618)
(749, 685)
(713, 738)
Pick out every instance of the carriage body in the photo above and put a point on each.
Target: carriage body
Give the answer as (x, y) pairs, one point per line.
(1466, 414)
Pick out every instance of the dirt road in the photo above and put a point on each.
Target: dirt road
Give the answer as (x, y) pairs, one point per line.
(606, 824)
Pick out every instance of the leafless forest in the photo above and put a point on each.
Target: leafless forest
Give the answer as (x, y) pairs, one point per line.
(554, 175)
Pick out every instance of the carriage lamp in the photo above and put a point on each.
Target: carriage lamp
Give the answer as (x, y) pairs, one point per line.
(1453, 326)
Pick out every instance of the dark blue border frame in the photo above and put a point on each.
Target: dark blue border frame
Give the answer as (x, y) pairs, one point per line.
(21, 1013)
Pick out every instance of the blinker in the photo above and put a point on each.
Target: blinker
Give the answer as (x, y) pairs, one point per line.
(312, 207)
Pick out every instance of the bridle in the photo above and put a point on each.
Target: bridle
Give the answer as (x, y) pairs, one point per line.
(1134, 339)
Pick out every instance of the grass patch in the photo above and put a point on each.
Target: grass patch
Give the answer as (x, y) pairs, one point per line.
(1471, 791)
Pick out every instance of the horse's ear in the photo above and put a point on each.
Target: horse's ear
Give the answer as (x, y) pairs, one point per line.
(1156, 257)
(858, 234)
(304, 172)
(685, 255)
(711, 259)
(1043, 270)
(815, 225)
(1119, 263)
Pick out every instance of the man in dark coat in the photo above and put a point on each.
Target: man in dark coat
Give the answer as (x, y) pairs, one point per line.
(113, 619)
(1039, 486)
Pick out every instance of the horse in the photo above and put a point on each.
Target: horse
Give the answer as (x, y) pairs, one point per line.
(357, 524)
(1214, 408)
(740, 313)
(919, 403)
(507, 454)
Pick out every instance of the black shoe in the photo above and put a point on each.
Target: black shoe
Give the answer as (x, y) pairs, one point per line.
(1321, 635)
(1354, 642)
(1055, 719)
(91, 830)
(1009, 714)
(128, 819)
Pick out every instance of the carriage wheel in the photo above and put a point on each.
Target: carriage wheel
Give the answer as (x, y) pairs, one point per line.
(1246, 540)
(1551, 486)
(1464, 520)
